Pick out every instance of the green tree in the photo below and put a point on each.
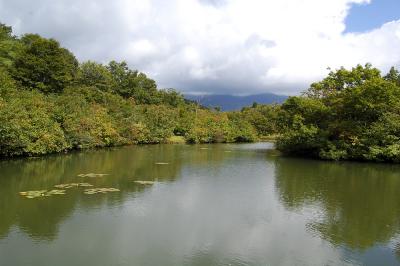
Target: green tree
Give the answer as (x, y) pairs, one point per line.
(5, 32)
(264, 118)
(26, 126)
(132, 84)
(239, 129)
(349, 115)
(95, 75)
(7, 84)
(44, 65)
(171, 97)
(342, 79)
(160, 122)
(86, 125)
(9, 46)
(393, 76)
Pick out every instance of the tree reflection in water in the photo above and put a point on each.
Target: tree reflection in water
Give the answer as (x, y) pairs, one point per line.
(360, 202)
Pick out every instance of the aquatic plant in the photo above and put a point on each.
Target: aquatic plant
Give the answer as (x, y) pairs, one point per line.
(92, 175)
(71, 185)
(92, 191)
(41, 193)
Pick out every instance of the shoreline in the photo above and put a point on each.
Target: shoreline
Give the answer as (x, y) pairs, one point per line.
(70, 151)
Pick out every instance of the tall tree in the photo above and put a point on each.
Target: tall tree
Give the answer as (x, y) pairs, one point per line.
(132, 84)
(96, 75)
(343, 79)
(393, 76)
(9, 46)
(44, 65)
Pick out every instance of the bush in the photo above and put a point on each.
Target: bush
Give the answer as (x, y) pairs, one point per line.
(160, 122)
(351, 115)
(27, 128)
(85, 125)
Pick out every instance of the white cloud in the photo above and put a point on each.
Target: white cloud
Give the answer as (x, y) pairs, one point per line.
(217, 46)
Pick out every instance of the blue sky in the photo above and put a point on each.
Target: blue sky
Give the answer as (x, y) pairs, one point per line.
(366, 17)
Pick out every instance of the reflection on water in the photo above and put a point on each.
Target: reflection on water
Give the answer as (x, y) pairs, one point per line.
(360, 202)
(212, 205)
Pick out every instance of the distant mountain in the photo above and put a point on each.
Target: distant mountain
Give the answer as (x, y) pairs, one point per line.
(231, 102)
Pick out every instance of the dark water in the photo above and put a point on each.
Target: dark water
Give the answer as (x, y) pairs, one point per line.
(224, 205)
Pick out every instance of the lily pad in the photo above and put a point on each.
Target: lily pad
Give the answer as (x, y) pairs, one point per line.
(145, 182)
(55, 192)
(92, 175)
(162, 163)
(85, 185)
(91, 191)
(72, 185)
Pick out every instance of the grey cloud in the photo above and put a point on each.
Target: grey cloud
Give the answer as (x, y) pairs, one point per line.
(95, 30)
(216, 3)
(194, 48)
(257, 40)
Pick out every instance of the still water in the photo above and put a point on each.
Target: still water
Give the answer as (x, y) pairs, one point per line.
(211, 205)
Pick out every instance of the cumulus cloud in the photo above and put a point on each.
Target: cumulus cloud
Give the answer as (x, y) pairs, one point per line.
(212, 46)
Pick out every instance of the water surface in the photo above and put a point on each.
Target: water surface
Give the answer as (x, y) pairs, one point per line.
(212, 205)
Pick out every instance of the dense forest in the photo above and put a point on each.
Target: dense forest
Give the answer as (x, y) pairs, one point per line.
(50, 102)
(350, 115)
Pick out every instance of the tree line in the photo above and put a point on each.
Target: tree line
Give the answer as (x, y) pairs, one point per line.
(50, 102)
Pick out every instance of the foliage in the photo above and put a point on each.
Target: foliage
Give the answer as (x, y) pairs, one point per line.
(351, 114)
(264, 118)
(130, 83)
(9, 46)
(93, 74)
(26, 126)
(239, 129)
(50, 103)
(42, 64)
(85, 125)
(393, 76)
(159, 121)
(210, 127)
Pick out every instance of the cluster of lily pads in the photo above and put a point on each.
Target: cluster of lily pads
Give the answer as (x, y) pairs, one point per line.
(41, 193)
(61, 188)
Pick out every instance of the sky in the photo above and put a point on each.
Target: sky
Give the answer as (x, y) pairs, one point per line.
(220, 46)
(364, 17)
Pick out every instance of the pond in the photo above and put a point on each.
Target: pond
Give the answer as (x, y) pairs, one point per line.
(222, 204)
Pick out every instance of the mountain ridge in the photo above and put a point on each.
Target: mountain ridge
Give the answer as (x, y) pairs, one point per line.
(228, 102)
